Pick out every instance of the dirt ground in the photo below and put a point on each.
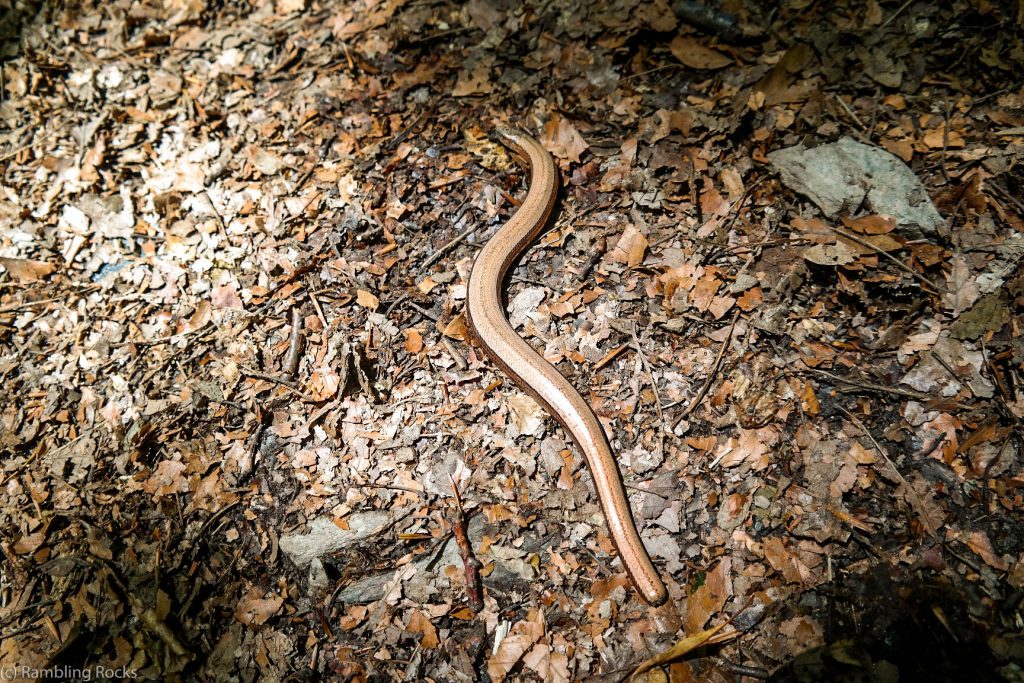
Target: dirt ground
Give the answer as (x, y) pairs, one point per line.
(245, 435)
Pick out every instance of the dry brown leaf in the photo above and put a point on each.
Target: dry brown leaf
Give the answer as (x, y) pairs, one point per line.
(683, 647)
(456, 328)
(226, 296)
(785, 562)
(563, 140)
(367, 300)
(513, 646)
(837, 254)
(413, 340)
(476, 82)
(419, 623)
(979, 542)
(552, 666)
(253, 609)
(25, 270)
(289, 6)
(630, 248)
(693, 53)
(776, 82)
(672, 120)
(703, 293)
(961, 289)
(619, 173)
(710, 597)
(874, 224)
(936, 139)
(201, 316)
(324, 383)
(525, 414)
(920, 495)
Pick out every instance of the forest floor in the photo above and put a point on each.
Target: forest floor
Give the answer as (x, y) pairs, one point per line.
(238, 398)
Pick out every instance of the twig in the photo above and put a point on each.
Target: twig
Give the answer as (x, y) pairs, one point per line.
(42, 139)
(444, 250)
(407, 131)
(967, 561)
(852, 114)
(945, 141)
(711, 375)
(663, 67)
(10, 308)
(744, 670)
(921, 509)
(474, 585)
(453, 352)
(654, 389)
(291, 361)
(389, 487)
(864, 243)
(319, 310)
(18, 632)
(290, 386)
(422, 311)
(220, 220)
(707, 19)
(881, 388)
(899, 11)
(162, 340)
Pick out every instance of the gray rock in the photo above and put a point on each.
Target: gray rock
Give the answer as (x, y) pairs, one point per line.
(844, 175)
(325, 537)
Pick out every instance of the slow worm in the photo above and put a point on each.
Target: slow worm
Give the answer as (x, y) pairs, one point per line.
(487, 322)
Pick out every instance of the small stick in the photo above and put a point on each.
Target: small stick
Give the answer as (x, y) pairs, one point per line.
(853, 115)
(10, 308)
(474, 585)
(945, 141)
(881, 388)
(899, 11)
(216, 213)
(388, 487)
(654, 388)
(290, 386)
(422, 311)
(15, 152)
(319, 310)
(443, 250)
(901, 264)
(881, 451)
(456, 356)
(291, 362)
(711, 375)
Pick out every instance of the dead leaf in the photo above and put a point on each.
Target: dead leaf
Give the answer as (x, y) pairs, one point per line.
(456, 328)
(685, 646)
(979, 542)
(367, 300)
(693, 53)
(413, 340)
(563, 140)
(630, 248)
(874, 224)
(710, 597)
(776, 82)
(525, 414)
(419, 623)
(512, 647)
(25, 270)
(475, 82)
(324, 383)
(837, 254)
(253, 609)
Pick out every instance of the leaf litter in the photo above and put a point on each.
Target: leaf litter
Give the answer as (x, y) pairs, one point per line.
(239, 399)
